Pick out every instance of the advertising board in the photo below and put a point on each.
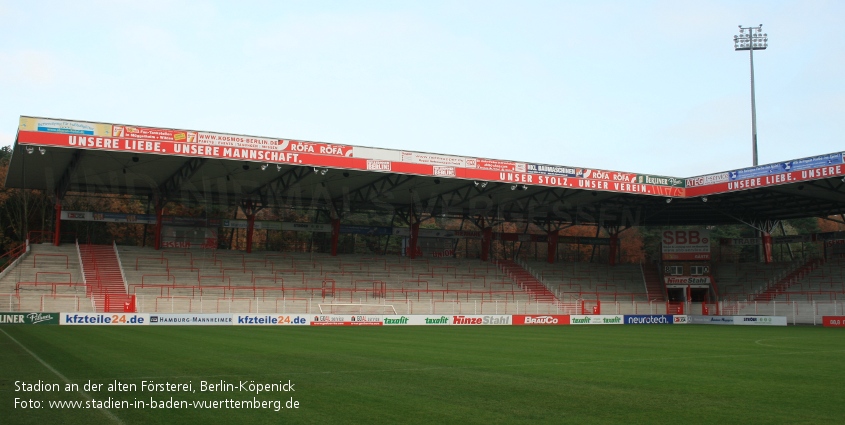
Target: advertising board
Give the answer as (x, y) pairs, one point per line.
(649, 319)
(541, 319)
(680, 319)
(269, 319)
(833, 321)
(760, 320)
(685, 245)
(29, 318)
(347, 320)
(107, 319)
(598, 319)
(478, 319)
(201, 319)
(711, 320)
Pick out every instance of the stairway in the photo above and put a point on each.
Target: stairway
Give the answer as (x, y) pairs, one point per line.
(654, 285)
(790, 279)
(529, 283)
(102, 273)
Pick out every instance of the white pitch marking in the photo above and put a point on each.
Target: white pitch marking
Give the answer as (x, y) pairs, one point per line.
(62, 377)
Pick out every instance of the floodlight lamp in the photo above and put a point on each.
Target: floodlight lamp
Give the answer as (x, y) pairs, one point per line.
(476, 183)
(278, 167)
(30, 149)
(264, 166)
(324, 171)
(513, 187)
(483, 184)
(703, 199)
(42, 151)
(524, 187)
(668, 200)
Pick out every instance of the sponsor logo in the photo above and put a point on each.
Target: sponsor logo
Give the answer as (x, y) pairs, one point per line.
(553, 170)
(596, 320)
(757, 319)
(104, 319)
(833, 321)
(376, 165)
(270, 320)
(442, 320)
(400, 321)
(687, 280)
(481, 320)
(658, 319)
(12, 318)
(541, 320)
(679, 319)
(444, 171)
(708, 180)
(550, 319)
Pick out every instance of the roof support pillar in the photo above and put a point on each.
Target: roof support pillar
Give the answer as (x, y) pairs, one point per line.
(614, 248)
(552, 248)
(57, 228)
(159, 212)
(335, 235)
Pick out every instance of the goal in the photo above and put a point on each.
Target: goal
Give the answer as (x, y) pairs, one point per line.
(356, 308)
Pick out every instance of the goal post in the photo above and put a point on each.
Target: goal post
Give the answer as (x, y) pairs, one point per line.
(356, 308)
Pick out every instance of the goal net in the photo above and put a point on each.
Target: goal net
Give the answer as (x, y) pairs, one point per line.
(356, 308)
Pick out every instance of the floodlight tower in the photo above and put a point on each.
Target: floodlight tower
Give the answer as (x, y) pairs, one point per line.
(751, 39)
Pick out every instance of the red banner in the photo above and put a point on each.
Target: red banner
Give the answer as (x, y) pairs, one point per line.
(540, 319)
(833, 321)
(765, 181)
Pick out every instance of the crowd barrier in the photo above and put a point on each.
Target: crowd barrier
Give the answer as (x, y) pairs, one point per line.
(254, 319)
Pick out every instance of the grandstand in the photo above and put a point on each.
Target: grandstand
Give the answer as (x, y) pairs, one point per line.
(470, 267)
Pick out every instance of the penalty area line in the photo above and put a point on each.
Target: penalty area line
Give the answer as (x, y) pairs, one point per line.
(109, 414)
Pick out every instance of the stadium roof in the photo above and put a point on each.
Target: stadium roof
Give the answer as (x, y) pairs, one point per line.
(190, 167)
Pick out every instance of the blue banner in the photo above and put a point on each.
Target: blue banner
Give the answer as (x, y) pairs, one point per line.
(648, 319)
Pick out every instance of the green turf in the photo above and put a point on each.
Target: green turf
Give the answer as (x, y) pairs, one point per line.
(567, 374)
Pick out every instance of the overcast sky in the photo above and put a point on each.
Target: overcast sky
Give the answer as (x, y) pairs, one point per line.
(644, 86)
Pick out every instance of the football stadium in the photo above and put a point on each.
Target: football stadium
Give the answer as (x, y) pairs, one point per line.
(182, 276)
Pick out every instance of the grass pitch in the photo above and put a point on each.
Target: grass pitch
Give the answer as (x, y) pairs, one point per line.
(497, 374)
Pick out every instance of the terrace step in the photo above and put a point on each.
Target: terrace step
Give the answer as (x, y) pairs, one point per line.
(783, 284)
(654, 283)
(525, 280)
(102, 273)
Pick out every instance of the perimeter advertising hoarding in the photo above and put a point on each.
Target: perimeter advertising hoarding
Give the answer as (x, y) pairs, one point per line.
(760, 320)
(686, 245)
(711, 320)
(347, 320)
(541, 319)
(680, 319)
(649, 319)
(269, 319)
(29, 318)
(479, 319)
(833, 321)
(107, 319)
(190, 319)
(598, 319)
(417, 319)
